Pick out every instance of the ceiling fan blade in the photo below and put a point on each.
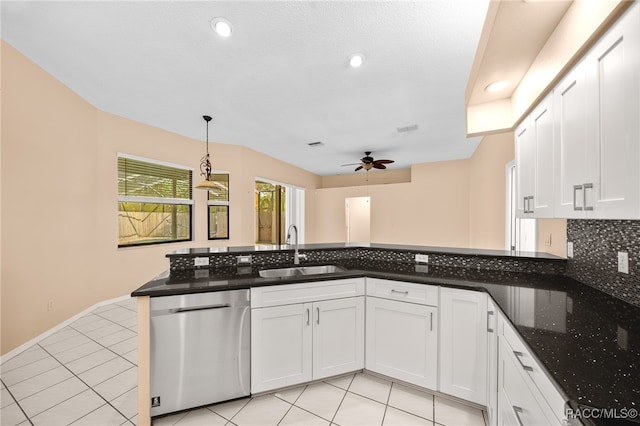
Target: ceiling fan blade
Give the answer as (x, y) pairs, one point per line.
(384, 161)
(379, 166)
(358, 168)
(351, 164)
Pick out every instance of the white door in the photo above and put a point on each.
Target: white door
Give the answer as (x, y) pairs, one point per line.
(280, 346)
(358, 219)
(338, 336)
(614, 117)
(402, 341)
(463, 344)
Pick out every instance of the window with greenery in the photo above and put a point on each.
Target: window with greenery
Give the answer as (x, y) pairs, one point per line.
(154, 202)
(218, 207)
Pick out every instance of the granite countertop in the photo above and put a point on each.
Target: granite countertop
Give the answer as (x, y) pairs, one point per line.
(588, 341)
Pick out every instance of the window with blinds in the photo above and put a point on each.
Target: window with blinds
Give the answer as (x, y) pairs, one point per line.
(154, 202)
(218, 207)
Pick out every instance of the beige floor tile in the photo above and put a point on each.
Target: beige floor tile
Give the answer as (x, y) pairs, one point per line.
(70, 410)
(262, 411)
(290, 395)
(118, 385)
(90, 361)
(11, 415)
(299, 417)
(371, 387)
(78, 352)
(132, 356)
(33, 354)
(321, 399)
(94, 325)
(105, 371)
(103, 416)
(169, 420)
(40, 382)
(357, 410)
(448, 412)
(5, 398)
(229, 409)
(67, 344)
(47, 398)
(59, 336)
(125, 346)
(104, 331)
(394, 417)
(117, 337)
(342, 382)
(28, 371)
(127, 403)
(412, 401)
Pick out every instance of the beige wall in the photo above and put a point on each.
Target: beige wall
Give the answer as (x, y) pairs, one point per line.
(374, 177)
(552, 236)
(59, 192)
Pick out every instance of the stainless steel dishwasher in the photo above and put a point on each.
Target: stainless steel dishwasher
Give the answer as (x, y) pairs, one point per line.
(200, 349)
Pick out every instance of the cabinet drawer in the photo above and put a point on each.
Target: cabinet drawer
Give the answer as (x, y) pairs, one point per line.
(532, 368)
(287, 294)
(422, 294)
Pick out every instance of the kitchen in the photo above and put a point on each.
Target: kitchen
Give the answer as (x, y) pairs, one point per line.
(51, 125)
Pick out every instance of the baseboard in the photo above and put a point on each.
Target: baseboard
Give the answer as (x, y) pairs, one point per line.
(6, 357)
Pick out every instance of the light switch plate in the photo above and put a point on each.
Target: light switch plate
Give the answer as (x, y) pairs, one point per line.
(570, 249)
(422, 258)
(201, 261)
(623, 262)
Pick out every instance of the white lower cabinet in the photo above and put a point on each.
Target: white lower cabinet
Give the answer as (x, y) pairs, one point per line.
(300, 342)
(402, 341)
(463, 344)
(492, 364)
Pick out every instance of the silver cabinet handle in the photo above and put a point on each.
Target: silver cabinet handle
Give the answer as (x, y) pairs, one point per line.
(530, 204)
(576, 188)
(318, 317)
(393, 290)
(527, 204)
(308, 316)
(431, 321)
(489, 315)
(199, 308)
(584, 196)
(517, 410)
(518, 355)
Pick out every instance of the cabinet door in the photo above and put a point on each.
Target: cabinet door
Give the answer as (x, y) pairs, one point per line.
(463, 344)
(280, 346)
(543, 183)
(525, 159)
(402, 341)
(492, 367)
(614, 117)
(516, 399)
(338, 336)
(570, 110)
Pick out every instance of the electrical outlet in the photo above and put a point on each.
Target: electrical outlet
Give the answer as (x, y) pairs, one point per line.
(422, 258)
(201, 261)
(623, 262)
(50, 305)
(570, 249)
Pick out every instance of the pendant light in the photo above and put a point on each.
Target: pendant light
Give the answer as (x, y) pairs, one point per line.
(205, 165)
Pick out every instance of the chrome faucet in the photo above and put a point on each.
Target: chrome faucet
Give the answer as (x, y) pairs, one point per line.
(296, 255)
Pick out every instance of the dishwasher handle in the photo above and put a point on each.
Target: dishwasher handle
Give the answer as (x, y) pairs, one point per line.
(199, 308)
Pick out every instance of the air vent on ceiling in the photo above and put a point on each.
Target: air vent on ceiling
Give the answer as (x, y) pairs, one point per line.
(315, 144)
(407, 128)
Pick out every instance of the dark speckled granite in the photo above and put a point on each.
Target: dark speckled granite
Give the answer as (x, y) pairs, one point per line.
(587, 340)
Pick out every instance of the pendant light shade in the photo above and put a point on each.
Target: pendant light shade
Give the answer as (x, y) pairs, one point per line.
(205, 165)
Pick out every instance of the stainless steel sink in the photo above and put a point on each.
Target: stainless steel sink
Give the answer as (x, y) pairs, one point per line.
(300, 270)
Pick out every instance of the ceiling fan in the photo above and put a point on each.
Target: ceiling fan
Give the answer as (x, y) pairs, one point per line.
(367, 162)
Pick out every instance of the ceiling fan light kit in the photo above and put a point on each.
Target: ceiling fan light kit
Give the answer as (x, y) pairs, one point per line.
(367, 163)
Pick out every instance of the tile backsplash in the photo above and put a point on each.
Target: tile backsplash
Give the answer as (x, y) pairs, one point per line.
(596, 244)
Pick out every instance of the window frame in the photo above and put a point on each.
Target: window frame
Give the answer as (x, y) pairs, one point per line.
(216, 203)
(157, 200)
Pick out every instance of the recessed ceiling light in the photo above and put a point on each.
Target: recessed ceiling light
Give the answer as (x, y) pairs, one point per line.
(221, 26)
(496, 86)
(356, 60)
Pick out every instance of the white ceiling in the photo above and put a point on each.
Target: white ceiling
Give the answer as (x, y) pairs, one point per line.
(280, 81)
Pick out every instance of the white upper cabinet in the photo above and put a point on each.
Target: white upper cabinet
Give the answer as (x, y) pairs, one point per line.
(597, 137)
(534, 161)
(613, 121)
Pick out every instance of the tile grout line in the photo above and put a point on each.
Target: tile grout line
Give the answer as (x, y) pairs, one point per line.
(343, 397)
(90, 387)
(17, 404)
(386, 406)
(292, 404)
